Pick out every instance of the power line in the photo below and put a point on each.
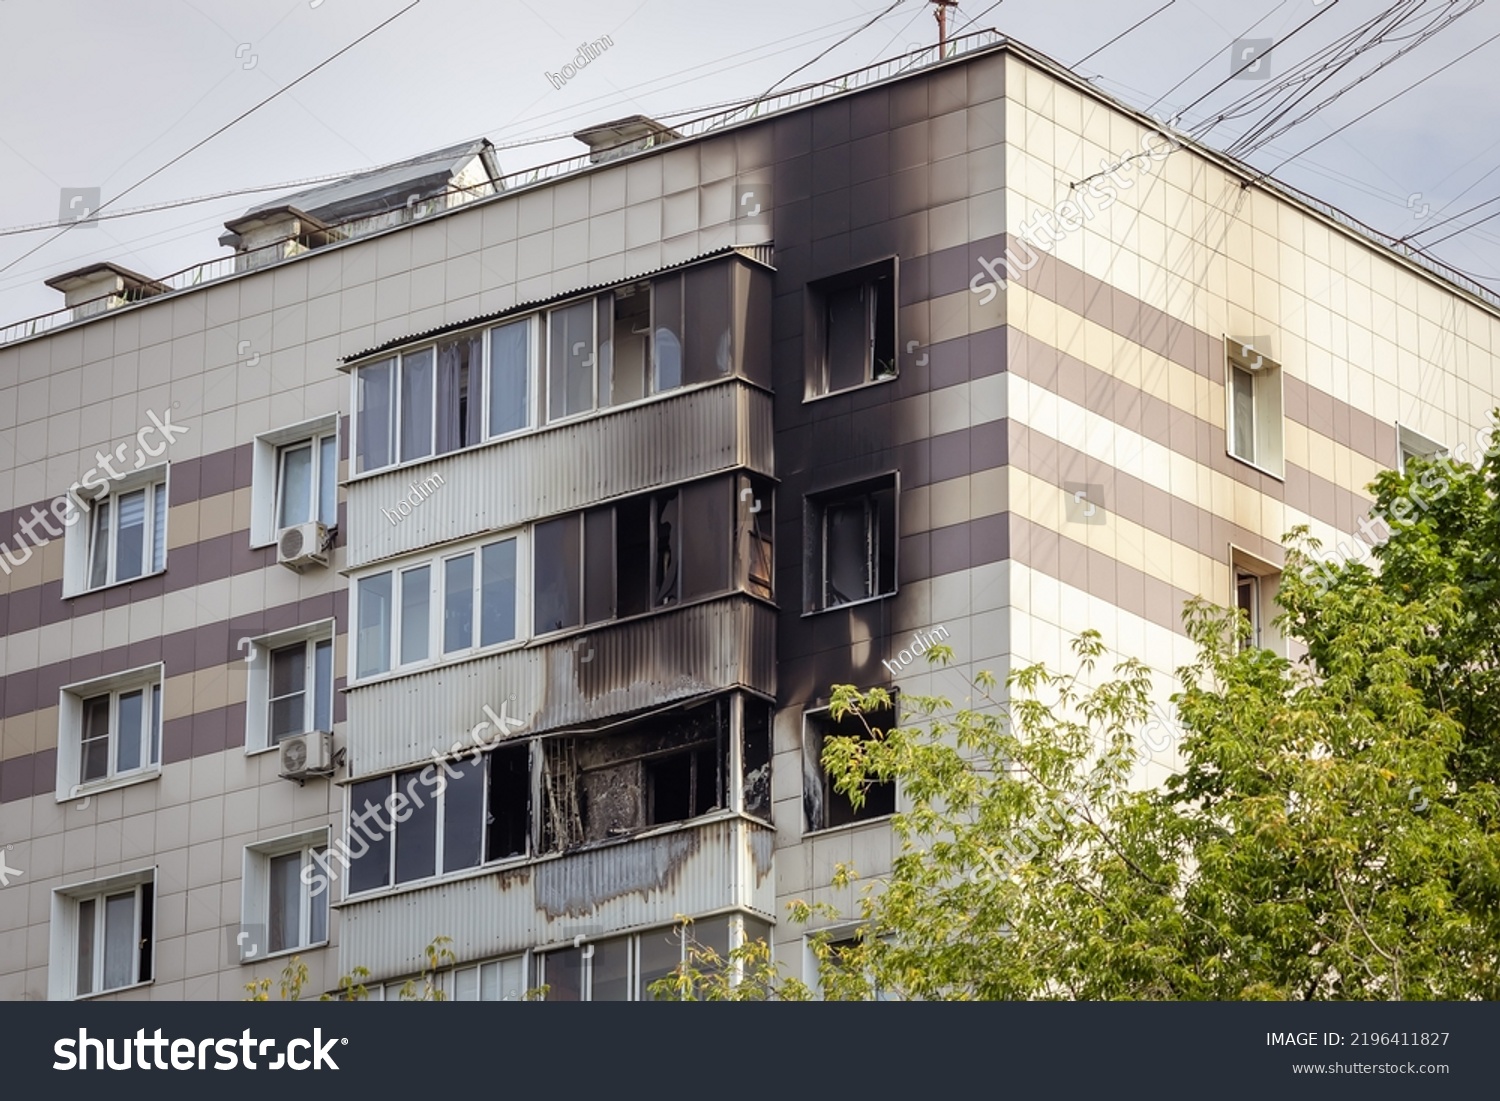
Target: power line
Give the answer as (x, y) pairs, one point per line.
(1122, 34)
(1463, 229)
(1213, 56)
(238, 118)
(1382, 103)
(1445, 221)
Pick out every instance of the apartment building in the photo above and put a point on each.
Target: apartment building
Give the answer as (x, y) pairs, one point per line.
(510, 538)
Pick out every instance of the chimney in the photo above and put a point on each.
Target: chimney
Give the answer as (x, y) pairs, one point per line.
(611, 140)
(99, 287)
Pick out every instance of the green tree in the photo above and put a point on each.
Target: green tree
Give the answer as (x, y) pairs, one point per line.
(1334, 832)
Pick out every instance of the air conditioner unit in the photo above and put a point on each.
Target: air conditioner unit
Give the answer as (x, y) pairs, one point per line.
(304, 755)
(302, 546)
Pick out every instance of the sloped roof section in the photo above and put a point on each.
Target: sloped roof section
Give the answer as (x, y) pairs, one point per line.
(380, 189)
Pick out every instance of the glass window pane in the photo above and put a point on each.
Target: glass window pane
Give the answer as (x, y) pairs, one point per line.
(570, 360)
(503, 980)
(563, 975)
(370, 847)
(288, 691)
(416, 618)
(154, 731)
(556, 567)
(458, 603)
(375, 411)
(317, 922)
(323, 685)
(130, 535)
(86, 923)
(466, 984)
(295, 506)
(416, 405)
(416, 838)
(497, 598)
(510, 377)
(661, 952)
(159, 527)
(99, 547)
(666, 321)
(463, 816)
(611, 971)
(1244, 414)
(374, 646)
(706, 541)
(706, 310)
(119, 940)
(285, 917)
(128, 745)
(599, 565)
(459, 393)
(95, 739)
(328, 480)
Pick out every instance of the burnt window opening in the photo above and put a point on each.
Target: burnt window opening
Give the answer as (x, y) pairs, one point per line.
(755, 756)
(853, 327)
(851, 544)
(667, 768)
(508, 820)
(625, 358)
(825, 806)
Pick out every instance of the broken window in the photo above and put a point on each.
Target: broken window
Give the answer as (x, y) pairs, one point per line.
(851, 544)
(756, 757)
(752, 323)
(853, 328)
(667, 768)
(625, 358)
(824, 806)
(509, 820)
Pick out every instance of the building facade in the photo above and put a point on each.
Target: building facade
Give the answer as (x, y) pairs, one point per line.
(481, 570)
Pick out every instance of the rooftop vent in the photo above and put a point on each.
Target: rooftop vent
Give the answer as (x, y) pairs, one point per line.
(99, 287)
(611, 140)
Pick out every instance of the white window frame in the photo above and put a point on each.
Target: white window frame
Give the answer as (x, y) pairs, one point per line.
(62, 970)
(437, 565)
(1266, 580)
(255, 903)
(267, 477)
(532, 385)
(546, 358)
(150, 680)
(1412, 444)
(434, 795)
(1267, 431)
(78, 550)
(258, 685)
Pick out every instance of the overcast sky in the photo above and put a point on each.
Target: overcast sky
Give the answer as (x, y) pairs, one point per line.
(102, 94)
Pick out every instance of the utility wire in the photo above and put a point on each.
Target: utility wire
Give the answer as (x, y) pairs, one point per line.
(1445, 221)
(238, 118)
(1364, 114)
(1122, 34)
